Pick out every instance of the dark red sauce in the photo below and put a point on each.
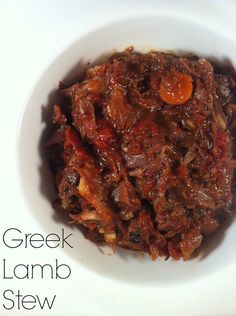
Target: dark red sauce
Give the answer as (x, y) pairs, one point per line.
(142, 154)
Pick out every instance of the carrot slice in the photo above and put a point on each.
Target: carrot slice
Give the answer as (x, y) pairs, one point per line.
(176, 88)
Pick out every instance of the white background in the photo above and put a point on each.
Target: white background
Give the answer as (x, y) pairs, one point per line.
(32, 33)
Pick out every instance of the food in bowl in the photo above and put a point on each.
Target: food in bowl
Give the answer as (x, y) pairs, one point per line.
(142, 154)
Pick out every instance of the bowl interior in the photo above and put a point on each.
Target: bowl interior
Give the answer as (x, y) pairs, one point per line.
(144, 33)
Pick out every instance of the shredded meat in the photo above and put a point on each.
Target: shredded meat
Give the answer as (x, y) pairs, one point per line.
(142, 153)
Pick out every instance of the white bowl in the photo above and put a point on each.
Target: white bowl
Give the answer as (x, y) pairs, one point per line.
(144, 33)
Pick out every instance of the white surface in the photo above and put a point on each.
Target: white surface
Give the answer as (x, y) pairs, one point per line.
(33, 34)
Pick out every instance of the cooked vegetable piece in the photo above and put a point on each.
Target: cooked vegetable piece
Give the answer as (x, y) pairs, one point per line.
(176, 88)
